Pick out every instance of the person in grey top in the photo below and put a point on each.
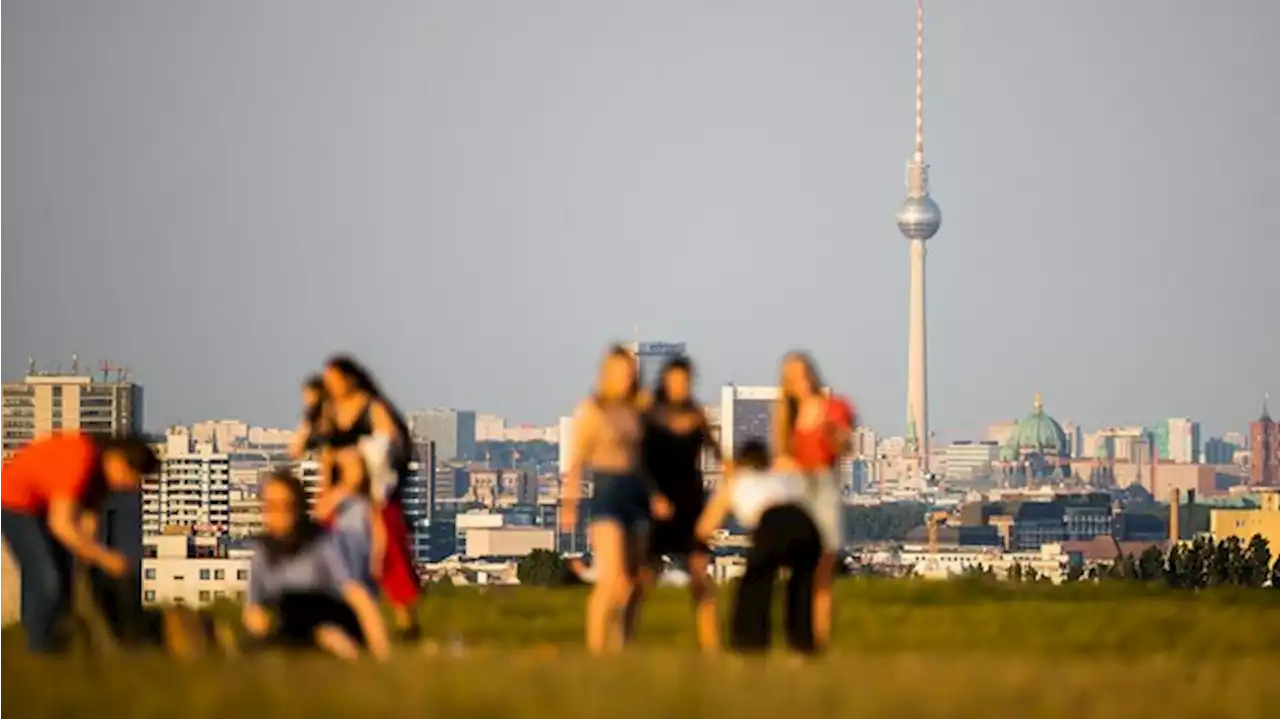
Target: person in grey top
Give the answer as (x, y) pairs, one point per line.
(301, 593)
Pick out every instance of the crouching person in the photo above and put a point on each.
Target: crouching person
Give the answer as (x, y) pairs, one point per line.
(53, 491)
(773, 507)
(300, 591)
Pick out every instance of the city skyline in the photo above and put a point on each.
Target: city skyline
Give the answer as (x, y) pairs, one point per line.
(1099, 245)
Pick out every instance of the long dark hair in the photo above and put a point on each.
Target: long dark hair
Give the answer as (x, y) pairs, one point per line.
(305, 530)
(661, 400)
(360, 378)
(315, 413)
(792, 404)
(621, 352)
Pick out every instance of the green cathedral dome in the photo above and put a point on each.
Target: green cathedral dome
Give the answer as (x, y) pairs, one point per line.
(1037, 433)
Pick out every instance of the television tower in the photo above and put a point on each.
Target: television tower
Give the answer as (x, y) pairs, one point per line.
(918, 220)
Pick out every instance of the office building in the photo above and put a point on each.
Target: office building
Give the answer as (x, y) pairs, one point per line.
(1177, 440)
(1244, 523)
(46, 402)
(1219, 451)
(968, 460)
(651, 356)
(416, 493)
(745, 413)
(452, 431)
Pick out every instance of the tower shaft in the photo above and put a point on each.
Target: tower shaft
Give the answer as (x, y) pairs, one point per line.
(917, 358)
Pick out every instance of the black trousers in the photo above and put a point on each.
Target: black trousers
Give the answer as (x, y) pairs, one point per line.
(785, 537)
(300, 615)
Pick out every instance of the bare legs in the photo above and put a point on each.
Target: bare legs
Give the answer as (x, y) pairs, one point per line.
(823, 576)
(615, 566)
(702, 592)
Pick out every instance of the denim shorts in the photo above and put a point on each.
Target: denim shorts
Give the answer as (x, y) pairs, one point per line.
(621, 498)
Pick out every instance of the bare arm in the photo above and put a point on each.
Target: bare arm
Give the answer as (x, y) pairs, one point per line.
(780, 437)
(298, 445)
(584, 429)
(370, 618)
(383, 424)
(256, 621)
(67, 524)
(377, 540)
(717, 508)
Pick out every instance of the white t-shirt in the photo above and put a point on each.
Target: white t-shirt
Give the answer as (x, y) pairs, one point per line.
(755, 492)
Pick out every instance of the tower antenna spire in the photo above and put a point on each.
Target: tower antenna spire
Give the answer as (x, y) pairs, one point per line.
(919, 153)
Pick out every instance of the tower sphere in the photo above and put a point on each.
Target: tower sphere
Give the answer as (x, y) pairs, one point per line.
(919, 218)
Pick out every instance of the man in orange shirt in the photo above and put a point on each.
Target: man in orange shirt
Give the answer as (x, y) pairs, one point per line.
(50, 496)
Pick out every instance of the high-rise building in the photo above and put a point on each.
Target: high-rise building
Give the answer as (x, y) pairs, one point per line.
(1219, 451)
(416, 494)
(651, 356)
(453, 432)
(918, 220)
(192, 492)
(1264, 445)
(1177, 440)
(490, 428)
(745, 413)
(46, 402)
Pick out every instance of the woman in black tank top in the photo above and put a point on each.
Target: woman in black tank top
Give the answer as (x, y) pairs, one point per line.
(359, 410)
(676, 433)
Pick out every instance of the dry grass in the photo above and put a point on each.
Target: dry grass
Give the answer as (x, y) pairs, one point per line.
(903, 649)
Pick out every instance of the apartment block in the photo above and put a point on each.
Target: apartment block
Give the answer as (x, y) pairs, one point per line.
(43, 403)
(195, 571)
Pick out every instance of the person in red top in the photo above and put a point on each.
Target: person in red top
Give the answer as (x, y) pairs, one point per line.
(812, 429)
(49, 499)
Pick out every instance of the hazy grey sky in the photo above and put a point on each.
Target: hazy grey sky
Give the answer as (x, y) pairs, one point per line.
(475, 197)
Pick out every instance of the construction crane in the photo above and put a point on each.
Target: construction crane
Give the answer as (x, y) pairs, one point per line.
(933, 520)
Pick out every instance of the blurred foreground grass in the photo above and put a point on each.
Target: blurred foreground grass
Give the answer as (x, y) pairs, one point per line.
(901, 649)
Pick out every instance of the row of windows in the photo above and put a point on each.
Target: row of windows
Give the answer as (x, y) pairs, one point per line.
(205, 575)
(205, 596)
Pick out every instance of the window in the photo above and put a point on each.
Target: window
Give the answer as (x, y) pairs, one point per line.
(179, 600)
(149, 573)
(178, 578)
(204, 575)
(239, 596)
(219, 594)
(242, 575)
(204, 595)
(219, 574)
(149, 596)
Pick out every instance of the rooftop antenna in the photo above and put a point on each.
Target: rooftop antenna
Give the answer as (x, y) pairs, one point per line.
(75, 363)
(31, 365)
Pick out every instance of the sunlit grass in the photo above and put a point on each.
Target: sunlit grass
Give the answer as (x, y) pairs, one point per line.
(901, 649)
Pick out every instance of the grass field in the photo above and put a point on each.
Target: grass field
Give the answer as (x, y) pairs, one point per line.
(902, 648)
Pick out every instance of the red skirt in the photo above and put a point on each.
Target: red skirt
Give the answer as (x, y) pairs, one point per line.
(399, 582)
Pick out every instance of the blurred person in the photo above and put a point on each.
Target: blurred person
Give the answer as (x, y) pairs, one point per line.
(675, 433)
(312, 433)
(366, 450)
(50, 499)
(811, 430)
(774, 507)
(606, 442)
(300, 591)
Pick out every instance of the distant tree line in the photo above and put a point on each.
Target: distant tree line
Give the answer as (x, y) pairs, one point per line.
(884, 522)
(1229, 563)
